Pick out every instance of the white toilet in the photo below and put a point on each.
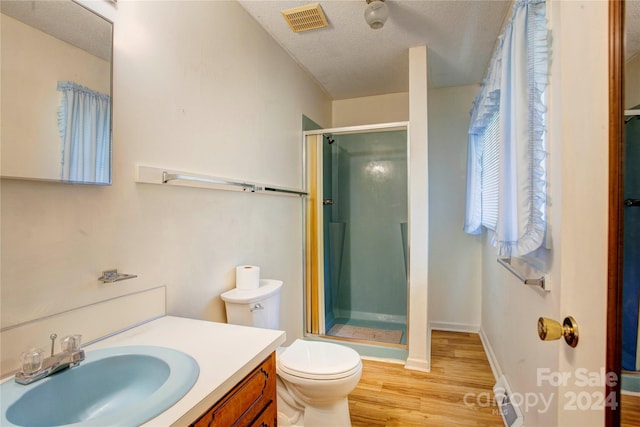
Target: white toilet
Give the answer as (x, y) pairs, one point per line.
(314, 378)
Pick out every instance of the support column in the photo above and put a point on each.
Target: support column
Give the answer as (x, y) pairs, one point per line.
(419, 335)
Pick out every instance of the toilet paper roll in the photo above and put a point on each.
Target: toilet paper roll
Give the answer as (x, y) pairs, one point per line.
(247, 277)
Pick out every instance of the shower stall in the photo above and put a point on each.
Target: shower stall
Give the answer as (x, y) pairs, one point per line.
(358, 180)
(631, 254)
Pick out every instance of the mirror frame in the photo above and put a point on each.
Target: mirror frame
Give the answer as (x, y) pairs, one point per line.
(616, 212)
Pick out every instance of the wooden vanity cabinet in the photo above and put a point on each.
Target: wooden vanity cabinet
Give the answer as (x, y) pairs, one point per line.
(250, 403)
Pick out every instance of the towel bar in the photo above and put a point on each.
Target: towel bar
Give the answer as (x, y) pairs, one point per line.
(524, 272)
(153, 175)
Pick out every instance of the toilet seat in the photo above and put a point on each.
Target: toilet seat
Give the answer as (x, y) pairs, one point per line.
(319, 360)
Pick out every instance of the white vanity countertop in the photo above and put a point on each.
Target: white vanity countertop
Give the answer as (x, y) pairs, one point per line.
(226, 354)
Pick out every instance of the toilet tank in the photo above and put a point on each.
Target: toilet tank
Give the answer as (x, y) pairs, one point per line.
(254, 307)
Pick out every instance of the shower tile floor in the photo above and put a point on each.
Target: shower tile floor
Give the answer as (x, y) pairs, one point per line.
(376, 324)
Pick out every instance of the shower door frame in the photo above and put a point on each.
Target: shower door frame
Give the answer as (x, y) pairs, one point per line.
(313, 245)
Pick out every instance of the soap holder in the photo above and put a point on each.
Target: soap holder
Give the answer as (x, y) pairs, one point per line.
(110, 276)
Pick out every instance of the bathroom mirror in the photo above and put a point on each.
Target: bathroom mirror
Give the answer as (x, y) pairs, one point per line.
(56, 92)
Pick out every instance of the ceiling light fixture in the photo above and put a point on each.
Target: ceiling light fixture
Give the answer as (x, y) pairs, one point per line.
(376, 13)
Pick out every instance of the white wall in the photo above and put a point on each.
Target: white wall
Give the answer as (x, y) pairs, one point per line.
(32, 64)
(389, 108)
(198, 86)
(454, 257)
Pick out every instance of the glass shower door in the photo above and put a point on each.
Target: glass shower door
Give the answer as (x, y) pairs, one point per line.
(365, 202)
(631, 239)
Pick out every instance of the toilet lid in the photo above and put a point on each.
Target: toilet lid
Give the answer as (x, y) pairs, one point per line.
(267, 288)
(314, 359)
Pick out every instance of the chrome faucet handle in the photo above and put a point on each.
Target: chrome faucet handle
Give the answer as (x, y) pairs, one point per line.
(34, 366)
(71, 343)
(31, 361)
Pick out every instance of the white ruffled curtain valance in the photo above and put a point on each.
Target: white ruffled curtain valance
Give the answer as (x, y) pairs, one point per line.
(514, 90)
(84, 122)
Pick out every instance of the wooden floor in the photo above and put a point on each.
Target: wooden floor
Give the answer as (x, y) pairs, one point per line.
(390, 395)
(630, 411)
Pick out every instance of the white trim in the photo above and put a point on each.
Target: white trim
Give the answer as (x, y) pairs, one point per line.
(415, 364)
(358, 129)
(455, 327)
(632, 112)
(418, 215)
(491, 356)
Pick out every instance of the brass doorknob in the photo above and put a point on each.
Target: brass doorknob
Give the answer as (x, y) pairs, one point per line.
(549, 330)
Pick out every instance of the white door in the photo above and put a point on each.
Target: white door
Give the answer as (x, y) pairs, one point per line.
(584, 206)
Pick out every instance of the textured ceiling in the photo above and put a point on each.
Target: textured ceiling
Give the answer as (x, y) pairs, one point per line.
(66, 21)
(348, 59)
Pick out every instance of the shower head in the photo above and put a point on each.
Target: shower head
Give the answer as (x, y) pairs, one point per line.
(330, 139)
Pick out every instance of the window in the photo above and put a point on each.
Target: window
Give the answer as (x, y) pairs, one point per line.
(489, 141)
(506, 177)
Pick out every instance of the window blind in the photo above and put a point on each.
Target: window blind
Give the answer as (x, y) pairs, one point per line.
(490, 141)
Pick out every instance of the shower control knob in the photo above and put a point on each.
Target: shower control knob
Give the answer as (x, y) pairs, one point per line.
(327, 202)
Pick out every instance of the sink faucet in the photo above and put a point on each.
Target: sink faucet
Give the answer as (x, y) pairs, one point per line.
(34, 367)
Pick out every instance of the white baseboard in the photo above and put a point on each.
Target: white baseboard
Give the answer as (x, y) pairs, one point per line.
(454, 327)
(493, 361)
(417, 365)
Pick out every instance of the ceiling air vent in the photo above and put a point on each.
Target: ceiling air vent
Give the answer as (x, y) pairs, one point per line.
(305, 18)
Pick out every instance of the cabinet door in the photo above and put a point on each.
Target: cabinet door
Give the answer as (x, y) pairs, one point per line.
(268, 417)
(247, 401)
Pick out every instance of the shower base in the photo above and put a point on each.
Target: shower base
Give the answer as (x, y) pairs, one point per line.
(392, 336)
(373, 324)
(630, 383)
